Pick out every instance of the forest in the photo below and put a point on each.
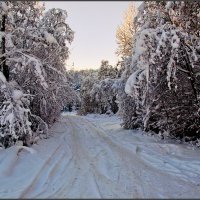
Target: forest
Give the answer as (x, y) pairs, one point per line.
(155, 86)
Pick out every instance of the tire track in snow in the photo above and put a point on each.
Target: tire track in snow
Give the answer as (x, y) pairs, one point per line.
(75, 162)
(88, 162)
(39, 174)
(83, 158)
(145, 166)
(114, 149)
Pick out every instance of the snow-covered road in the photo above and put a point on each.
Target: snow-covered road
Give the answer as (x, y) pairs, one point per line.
(93, 157)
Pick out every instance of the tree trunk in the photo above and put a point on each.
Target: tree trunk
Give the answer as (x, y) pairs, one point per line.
(4, 67)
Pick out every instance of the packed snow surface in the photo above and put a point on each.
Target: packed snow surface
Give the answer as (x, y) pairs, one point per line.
(93, 157)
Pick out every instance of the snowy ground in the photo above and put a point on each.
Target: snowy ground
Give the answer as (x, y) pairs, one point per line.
(93, 157)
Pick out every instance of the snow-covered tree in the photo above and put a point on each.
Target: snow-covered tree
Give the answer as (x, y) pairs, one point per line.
(98, 92)
(53, 53)
(165, 83)
(103, 94)
(107, 71)
(126, 104)
(15, 114)
(34, 54)
(87, 105)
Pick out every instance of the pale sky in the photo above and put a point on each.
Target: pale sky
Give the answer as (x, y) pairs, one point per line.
(95, 25)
